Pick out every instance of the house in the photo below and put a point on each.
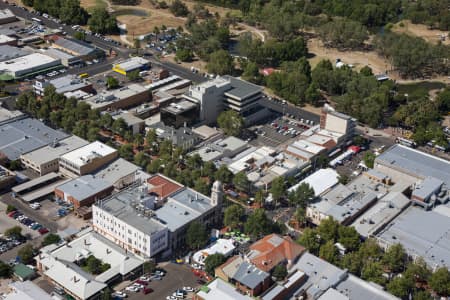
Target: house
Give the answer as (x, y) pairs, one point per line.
(273, 250)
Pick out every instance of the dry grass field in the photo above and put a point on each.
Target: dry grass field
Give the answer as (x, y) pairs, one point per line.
(431, 36)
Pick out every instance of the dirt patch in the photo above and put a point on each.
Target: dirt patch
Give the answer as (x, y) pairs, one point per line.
(91, 4)
(142, 25)
(420, 30)
(358, 59)
(198, 64)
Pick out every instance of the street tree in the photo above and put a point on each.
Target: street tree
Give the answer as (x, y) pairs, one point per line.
(329, 252)
(278, 188)
(196, 235)
(395, 258)
(213, 261)
(302, 195)
(233, 216)
(230, 122)
(241, 182)
(310, 240)
(440, 281)
(258, 224)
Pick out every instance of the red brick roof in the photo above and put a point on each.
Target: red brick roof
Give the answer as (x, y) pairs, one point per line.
(272, 250)
(163, 186)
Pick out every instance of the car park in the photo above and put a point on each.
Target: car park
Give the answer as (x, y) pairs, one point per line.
(119, 294)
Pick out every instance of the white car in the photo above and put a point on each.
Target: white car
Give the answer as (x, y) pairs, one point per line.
(188, 289)
(119, 294)
(132, 288)
(144, 278)
(139, 286)
(35, 205)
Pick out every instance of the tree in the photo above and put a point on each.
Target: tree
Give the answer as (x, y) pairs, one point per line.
(126, 152)
(149, 267)
(220, 62)
(15, 231)
(79, 35)
(112, 82)
(440, 281)
(278, 188)
(184, 54)
(201, 186)
(223, 174)
(343, 34)
(395, 258)
(300, 216)
(196, 235)
(26, 254)
(280, 272)
(10, 208)
(328, 229)
(366, 71)
(133, 75)
(349, 238)
(179, 9)
(233, 215)
(400, 287)
(106, 294)
(230, 122)
(50, 239)
(251, 73)
(101, 22)
(15, 165)
(373, 271)
(329, 252)
(241, 181)
(302, 195)
(258, 224)
(137, 45)
(5, 270)
(119, 126)
(310, 240)
(369, 159)
(213, 261)
(140, 159)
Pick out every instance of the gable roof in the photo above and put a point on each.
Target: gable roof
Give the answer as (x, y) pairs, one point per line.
(272, 250)
(163, 186)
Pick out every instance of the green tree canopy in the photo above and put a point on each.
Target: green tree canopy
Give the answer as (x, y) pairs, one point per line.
(233, 216)
(258, 224)
(220, 62)
(241, 182)
(51, 239)
(230, 122)
(280, 272)
(213, 261)
(440, 281)
(196, 235)
(302, 195)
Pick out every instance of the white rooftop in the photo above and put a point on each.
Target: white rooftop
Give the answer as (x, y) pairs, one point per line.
(26, 290)
(81, 156)
(321, 181)
(308, 146)
(26, 62)
(222, 246)
(221, 290)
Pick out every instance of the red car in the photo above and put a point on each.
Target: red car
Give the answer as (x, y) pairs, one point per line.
(147, 291)
(43, 230)
(12, 213)
(142, 282)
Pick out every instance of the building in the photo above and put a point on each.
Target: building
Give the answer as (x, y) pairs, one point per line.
(182, 137)
(25, 135)
(84, 190)
(131, 64)
(120, 173)
(87, 159)
(38, 188)
(9, 52)
(149, 223)
(7, 115)
(67, 59)
(7, 16)
(68, 83)
(422, 234)
(305, 150)
(74, 47)
(332, 120)
(207, 133)
(46, 159)
(401, 162)
(135, 124)
(182, 113)
(322, 276)
(7, 40)
(23, 272)
(227, 92)
(273, 250)
(7, 178)
(219, 289)
(26, 290)
(220, 246)
(227, 147)
(247, 278)
(344, 203)
(320, 181)
(122, 98)
(29, 65)
(62, 264)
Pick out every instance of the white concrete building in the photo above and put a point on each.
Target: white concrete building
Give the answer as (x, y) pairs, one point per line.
(29, 65)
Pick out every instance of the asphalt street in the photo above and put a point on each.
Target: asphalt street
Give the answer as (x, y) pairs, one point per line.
(290, 109)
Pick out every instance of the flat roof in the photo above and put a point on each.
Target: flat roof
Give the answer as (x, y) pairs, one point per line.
(44, 191)
(219, 289)
(183, 207)
(206, 131)
(29, 184)
(68, 83)
(55, 150)
(27, 290)
(8, 52)
(84, 187)
(83, 155)
(308, 146)
(320, 181)
(422, 233)
(355, 288)
(415, 163)
(106, 97)
(116, 170)
(26, 62)
(129, 118)
(6, 114)
(180, 107)
(224, 147)
(56, 53)
(241, 88)
(132, 63)
(26, 135)
(121, 205)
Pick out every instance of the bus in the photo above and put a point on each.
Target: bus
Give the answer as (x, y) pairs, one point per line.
(405, 142)
(83, 75)
(39, 21)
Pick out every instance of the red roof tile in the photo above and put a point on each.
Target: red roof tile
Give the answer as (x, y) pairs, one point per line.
(163, 186)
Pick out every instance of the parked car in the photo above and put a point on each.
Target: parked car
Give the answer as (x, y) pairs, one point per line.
(43, 230)
(147, 291)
